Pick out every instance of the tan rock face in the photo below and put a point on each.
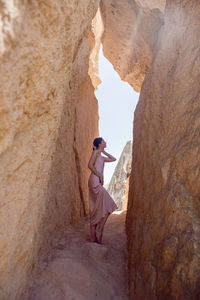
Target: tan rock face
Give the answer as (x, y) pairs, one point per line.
(118, 184)
(126, 195)
(47, 103)
(94, 36)
(152, 4)
(48, 118)
(130, 35)
(163, 221)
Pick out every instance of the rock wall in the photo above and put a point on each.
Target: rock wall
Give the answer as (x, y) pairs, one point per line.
(144, 40)
(95, 36)
(163, 216)
(47, 101)
(130, 35)
(118, 184)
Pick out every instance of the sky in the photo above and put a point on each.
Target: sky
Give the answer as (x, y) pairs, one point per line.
(117, 101)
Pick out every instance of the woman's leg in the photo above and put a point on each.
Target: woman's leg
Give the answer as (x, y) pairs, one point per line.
(93, 237)
(100, 227)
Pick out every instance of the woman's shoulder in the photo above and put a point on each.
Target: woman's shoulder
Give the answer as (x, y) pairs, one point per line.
(96, 153)
(99, 156)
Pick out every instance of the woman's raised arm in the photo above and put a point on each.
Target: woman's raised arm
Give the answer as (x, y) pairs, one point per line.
(110, 157)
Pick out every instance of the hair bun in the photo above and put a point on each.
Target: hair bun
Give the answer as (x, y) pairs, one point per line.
(96, 142)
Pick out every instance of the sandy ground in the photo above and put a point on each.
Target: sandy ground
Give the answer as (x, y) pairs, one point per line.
(80, 270)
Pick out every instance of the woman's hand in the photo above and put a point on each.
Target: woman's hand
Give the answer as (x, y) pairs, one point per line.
(101, 179)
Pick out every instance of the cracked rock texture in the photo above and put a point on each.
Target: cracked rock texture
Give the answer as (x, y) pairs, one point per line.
(46, 99)
(163, 215)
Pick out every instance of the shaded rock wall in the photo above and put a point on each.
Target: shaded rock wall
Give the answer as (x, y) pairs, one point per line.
(163, 216)
(46, 102)
(118, 184)
(130, 35)
(125, 203)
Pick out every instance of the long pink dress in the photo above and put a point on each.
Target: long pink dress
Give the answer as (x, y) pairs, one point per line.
(100, 201)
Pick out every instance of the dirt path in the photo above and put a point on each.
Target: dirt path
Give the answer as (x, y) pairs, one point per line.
(81, 270)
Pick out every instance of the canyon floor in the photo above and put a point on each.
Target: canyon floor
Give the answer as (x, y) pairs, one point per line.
(78, 269)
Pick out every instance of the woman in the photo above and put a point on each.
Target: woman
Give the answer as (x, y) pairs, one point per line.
(101, 204)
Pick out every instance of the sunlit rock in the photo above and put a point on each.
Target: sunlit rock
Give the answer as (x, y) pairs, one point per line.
(49, 117)
(117, 185)
(152, 4)
(95, 35)
(163, 216)
(48, 120)
(130, 36)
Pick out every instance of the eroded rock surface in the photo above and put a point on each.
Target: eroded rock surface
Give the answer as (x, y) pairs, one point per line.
(46, 101)
(130, 35)
(117, 186)
(95, 35)
(163, 216)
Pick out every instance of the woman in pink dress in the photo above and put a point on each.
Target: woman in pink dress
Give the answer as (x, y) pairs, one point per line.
(101, 203)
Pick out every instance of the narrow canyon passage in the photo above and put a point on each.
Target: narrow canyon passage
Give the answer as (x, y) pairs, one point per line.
(48, 119)
(78, 269)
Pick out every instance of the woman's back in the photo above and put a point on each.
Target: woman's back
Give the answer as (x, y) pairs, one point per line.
(99, 164)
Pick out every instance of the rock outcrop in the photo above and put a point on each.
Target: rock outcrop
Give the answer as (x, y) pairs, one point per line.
(94, 36)
(117, 186)
(163, 216)
(46, 100)
(130, 35)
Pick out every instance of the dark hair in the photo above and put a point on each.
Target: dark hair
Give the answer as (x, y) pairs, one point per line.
(96, 142)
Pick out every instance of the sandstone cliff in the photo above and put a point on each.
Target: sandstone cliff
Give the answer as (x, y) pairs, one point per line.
(163, 223)
(163, 216)
(130, 35)
(46, 100)
(49, 117)
(117, 185)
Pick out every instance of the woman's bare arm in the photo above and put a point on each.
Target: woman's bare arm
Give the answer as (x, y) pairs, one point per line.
(91, 164)
(110, 157)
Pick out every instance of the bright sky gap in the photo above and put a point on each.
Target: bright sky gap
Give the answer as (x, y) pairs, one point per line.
(117, 101)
